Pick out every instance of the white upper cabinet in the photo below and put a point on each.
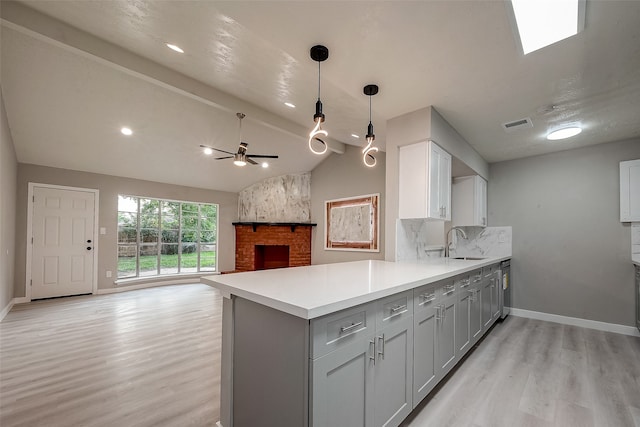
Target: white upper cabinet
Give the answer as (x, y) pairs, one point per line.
(630, 191)
(469, 201)
(425, 182)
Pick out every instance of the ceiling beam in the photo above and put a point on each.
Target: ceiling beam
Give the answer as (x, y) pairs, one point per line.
(26, 20)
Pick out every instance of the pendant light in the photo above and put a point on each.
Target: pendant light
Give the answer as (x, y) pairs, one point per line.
(367, 156)
(317, 145)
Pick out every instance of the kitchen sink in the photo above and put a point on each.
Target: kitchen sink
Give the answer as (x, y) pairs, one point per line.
(469, 258)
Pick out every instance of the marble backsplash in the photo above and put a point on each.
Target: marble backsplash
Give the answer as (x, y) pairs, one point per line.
(483, 241)
(419, 240)
(285, 198)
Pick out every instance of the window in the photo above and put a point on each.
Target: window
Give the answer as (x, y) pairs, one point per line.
(157, 237)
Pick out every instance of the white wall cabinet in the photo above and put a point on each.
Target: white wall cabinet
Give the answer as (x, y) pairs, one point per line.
(424, 181)
(630, 191)
(469, 201)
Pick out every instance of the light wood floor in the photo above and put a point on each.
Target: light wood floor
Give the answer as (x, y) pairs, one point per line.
(152, 358)
(141, 358)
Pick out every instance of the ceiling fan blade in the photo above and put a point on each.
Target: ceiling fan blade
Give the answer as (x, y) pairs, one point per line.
(222, 158)
(251, 161)
(217, 149)
(262, 156)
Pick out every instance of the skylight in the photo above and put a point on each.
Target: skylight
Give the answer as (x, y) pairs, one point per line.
(544, 22)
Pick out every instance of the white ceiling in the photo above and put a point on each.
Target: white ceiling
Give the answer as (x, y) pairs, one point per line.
(68, 92)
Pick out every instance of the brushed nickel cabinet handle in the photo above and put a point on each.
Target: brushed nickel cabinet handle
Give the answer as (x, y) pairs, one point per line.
(348, 328)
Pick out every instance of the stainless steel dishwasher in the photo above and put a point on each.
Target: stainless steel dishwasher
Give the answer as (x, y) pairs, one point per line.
(638, 297)
(505, 267)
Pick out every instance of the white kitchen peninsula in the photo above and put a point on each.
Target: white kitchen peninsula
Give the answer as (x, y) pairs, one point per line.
(333, 344)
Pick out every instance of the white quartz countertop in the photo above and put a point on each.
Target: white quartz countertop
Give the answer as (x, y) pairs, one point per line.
(317, 290)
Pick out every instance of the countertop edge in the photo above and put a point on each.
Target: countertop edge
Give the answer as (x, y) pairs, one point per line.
(333, 307)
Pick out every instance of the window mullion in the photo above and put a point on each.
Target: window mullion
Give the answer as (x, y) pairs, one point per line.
(180, 239)
(159, 238)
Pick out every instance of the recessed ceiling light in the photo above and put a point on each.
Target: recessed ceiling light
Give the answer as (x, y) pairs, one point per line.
(564, 133)
(290, 105)
(355, 136)
(207, 150)
(542, 23)
(265, 165)
(126, 131)
(175, 48)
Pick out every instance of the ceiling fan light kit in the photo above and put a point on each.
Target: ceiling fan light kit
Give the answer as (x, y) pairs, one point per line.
(317, 145)
(241, 157)
(367, 153)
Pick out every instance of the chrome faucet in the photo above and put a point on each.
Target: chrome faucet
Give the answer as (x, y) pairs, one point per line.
(447, 248)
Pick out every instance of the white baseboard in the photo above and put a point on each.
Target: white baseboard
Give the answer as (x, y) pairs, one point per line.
(575, 321)
(148, 285)
(14, 301)
(7, 309)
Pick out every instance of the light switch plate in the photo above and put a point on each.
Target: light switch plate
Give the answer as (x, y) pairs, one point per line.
(103, 230)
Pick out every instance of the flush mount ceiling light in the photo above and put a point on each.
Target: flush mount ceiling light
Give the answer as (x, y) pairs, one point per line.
(174, 48)
(541, 23)
(126, 131)
(564, 133)
(316, 143)
(367, 156)
(290, 105)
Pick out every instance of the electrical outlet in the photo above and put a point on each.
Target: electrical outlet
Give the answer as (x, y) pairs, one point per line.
(108, 273)
(103, 230)
(502, 237)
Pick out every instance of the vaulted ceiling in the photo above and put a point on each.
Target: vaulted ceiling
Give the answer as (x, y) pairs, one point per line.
(74, 72)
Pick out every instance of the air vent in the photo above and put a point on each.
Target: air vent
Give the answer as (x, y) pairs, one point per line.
(517, 125)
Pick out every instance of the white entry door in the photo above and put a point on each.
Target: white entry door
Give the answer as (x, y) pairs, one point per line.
(62, 259)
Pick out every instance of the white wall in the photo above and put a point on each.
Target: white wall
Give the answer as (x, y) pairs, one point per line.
(8, 176)
(110, 187)
(571, 255)
(340, 176)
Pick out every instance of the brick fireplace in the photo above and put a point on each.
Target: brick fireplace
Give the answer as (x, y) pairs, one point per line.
(261, 246)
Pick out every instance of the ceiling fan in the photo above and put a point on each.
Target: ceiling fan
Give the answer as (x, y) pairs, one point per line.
(240, 158)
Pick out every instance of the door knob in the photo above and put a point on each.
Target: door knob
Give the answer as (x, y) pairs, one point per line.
(89, 241)
(88, 248)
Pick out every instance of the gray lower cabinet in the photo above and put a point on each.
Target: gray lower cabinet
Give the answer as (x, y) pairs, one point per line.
(368, 381)
(425, 328)
(485, 301)
(475, 313)
(638, 297)
(342, 390)
(393, 378)
(496, 309)
(464, 337)
(446, 334)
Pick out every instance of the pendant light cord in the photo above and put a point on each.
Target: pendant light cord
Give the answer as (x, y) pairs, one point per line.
(318, 80)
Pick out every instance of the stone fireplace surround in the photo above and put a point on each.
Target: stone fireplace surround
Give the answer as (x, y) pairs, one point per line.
(253, 240)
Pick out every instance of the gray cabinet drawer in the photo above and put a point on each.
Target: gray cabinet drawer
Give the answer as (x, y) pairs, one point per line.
(393, 308)
(490, 269)
(475, 276)
(445, 288)
(344, 327)
(462, 282)
(424, 297)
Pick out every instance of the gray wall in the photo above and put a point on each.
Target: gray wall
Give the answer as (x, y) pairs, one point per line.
(571, 255)
(110, 187)
(421, 125)
(8, 176)
(339, 176)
